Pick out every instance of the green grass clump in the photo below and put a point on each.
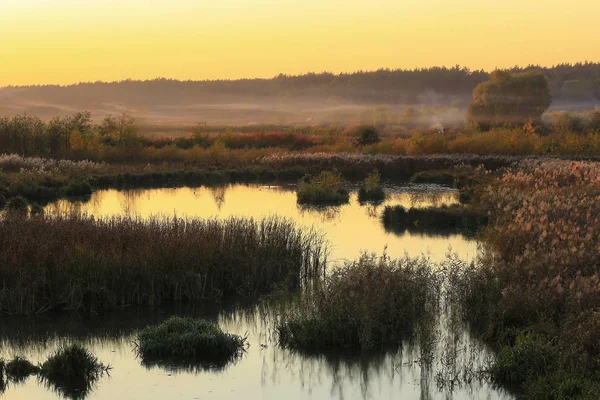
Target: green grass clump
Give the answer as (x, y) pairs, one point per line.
(532, 356)
(364, 304)
(72, 371)
(324, 188)
(371, 190)
(532, 365)
(18, 369)
(188, 339)
(445, 219)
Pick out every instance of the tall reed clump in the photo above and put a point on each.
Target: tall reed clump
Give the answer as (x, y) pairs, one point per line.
(83, 263)
(188, 339)
(324, 188)
(364, 304)
(72, 371)
(541, 276)
(444, 220)
(371, 189)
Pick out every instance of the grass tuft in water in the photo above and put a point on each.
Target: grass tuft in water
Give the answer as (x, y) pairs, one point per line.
(72, 371)
(371, 189)
(188, 339)
(324, 188)
(19, 369)
(364, 304)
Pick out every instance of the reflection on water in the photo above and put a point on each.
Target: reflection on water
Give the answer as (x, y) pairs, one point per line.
(349, 228)
(265, 371)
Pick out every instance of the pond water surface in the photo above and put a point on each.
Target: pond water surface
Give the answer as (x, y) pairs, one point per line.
(265, 371)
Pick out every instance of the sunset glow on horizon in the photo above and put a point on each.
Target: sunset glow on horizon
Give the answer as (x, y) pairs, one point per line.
(69, 41)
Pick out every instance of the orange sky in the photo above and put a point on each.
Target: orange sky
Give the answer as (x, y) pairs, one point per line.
(67, 41)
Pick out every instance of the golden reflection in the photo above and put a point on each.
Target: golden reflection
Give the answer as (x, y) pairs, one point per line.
(349, 228)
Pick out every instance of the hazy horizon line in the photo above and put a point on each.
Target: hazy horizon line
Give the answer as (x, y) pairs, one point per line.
(337, 74)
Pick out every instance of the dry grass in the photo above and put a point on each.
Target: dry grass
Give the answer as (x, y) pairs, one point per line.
(368, 303)
(82, 263)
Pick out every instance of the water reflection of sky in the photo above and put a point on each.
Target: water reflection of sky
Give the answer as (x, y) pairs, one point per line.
(267, 372)
(349, 228)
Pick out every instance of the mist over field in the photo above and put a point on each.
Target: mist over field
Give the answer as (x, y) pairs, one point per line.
(379, 97)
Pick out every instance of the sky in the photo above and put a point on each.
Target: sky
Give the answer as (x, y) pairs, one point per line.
(69, 41)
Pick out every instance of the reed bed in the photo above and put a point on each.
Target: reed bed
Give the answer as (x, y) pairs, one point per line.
(536, 294)
(87, 264)
(365, 304)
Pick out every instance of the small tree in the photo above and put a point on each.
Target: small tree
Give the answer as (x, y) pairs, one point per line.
(366, 135)
(120, 128)
(567, 123)
(594, 125)
(509, 99)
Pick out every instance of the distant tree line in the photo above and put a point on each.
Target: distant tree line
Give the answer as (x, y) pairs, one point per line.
(567, 82)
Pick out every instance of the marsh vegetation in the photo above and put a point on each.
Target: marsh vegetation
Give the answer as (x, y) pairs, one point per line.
(88, 264)
(365, 304)
(532, 294)
(186, 339)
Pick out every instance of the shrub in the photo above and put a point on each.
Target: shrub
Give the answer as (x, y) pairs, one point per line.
(567, 123)
(188, 339)
(324, 188)
(36, 209)
(18, 369)
(366, 135)
(364, 304)
(72, 371)
(17, 205)
(562, 386)
(372, 190)
(594, 125)
(82, 188)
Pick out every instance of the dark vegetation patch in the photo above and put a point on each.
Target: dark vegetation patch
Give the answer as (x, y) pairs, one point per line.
(94, 265)
(443, 220)
(72, 371)
(535, 295)
(325, 188)
(19, 369)
(371, 190)
(186, 339)
(365, 304)
(2, 380)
